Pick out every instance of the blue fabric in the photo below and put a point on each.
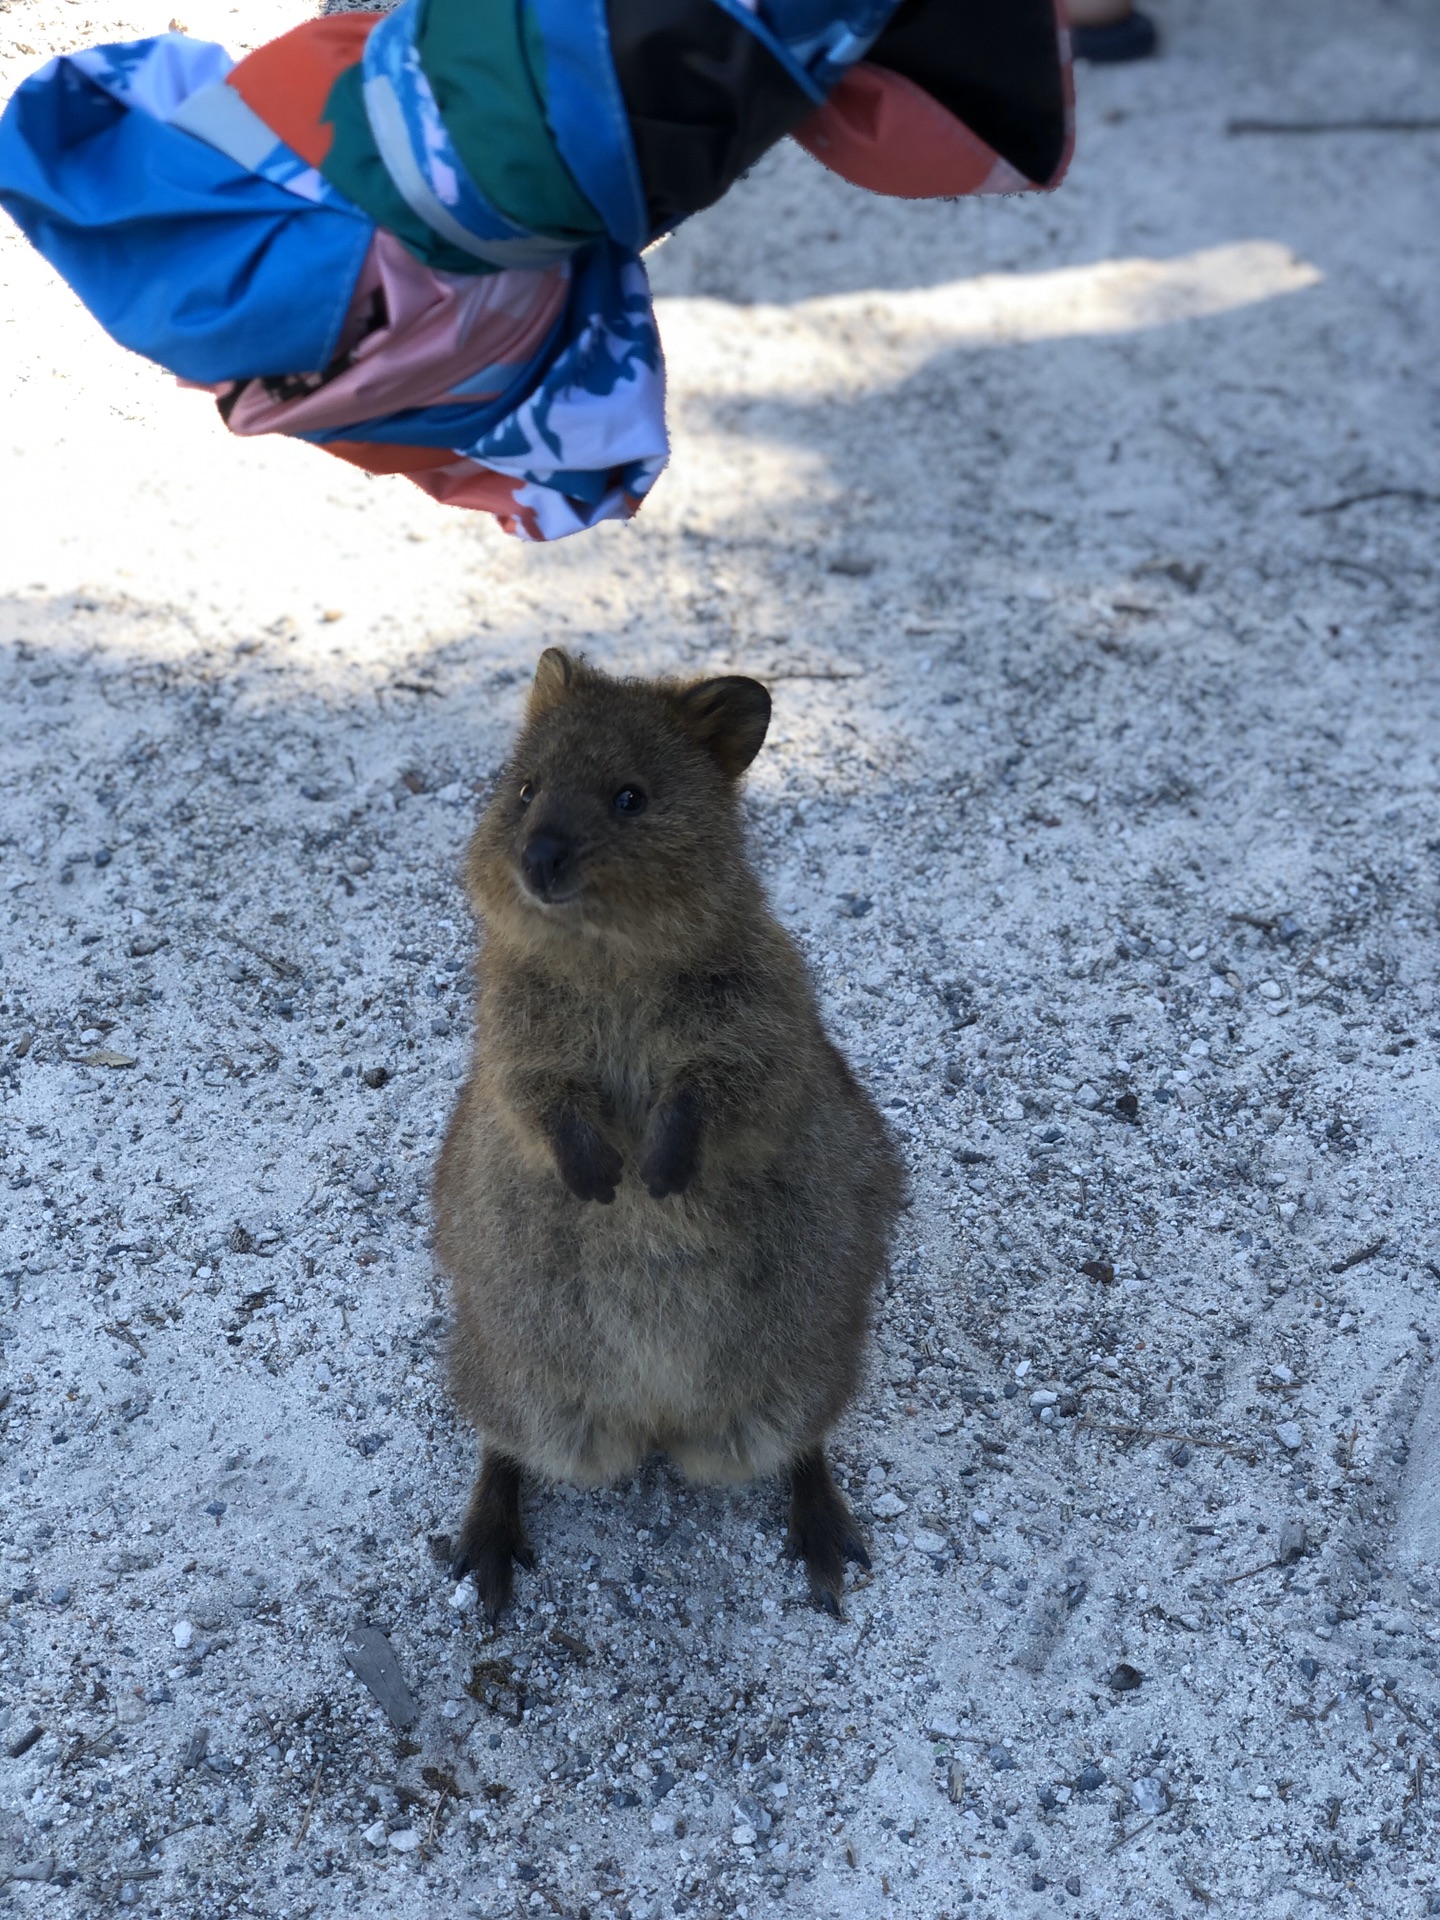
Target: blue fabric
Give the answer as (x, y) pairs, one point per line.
(116, 199)
(586, 114)
(776, 46)
(815, 41)
(417, 152)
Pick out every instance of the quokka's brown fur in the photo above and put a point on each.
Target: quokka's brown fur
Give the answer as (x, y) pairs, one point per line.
(663, 1199)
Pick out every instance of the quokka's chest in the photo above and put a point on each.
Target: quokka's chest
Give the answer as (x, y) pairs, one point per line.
(626, 1050)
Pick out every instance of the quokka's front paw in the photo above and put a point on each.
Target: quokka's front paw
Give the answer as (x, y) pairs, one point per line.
(671, 1156)
(587, 1163)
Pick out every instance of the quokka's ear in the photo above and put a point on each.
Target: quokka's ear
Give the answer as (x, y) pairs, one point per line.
(729, 716)
(554, 677)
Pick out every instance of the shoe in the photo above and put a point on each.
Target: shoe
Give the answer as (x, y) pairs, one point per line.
(1133, 38)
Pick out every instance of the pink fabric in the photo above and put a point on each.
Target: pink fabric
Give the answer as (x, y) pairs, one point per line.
(439, 336)
(451, 479)
(881, 131)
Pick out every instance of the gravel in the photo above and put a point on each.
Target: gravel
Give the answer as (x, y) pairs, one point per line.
(1099, 796)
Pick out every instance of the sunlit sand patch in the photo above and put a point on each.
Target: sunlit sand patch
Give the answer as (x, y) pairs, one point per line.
(854, 342)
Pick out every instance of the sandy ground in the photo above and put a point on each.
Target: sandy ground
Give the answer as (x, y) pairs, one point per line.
(1087, 544)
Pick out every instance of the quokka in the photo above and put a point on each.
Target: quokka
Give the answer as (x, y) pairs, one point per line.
(663, 1200)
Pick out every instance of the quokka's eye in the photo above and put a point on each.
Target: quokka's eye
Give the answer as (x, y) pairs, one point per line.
(630, 800)
(527, 793)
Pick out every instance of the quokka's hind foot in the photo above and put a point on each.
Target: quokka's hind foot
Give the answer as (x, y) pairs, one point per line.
(822, 1532)
(492, 1536)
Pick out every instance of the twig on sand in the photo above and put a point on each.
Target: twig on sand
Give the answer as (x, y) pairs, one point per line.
(310, 1808)
(1359, 1257)
(1365, 123)
(1157, 1433)
(430, 1831)
(1417, 494)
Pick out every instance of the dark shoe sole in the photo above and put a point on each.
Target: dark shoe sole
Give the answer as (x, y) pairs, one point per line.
(1133, 38)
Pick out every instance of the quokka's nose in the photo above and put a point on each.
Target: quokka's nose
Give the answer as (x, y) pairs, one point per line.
(546, 861)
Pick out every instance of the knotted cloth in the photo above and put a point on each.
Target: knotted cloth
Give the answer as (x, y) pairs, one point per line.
(414, 238)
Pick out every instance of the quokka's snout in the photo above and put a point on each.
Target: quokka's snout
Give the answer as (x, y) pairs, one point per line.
(645, 1028)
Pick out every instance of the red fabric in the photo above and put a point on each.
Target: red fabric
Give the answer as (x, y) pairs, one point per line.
(375, 457)
(288, 81)
(449, 478)
(881, 131)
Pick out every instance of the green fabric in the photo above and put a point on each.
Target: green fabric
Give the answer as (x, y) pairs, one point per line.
(485, 62)
(354, 166)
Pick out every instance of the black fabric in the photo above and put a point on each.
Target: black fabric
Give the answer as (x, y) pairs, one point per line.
(994, 64)
(704, 98)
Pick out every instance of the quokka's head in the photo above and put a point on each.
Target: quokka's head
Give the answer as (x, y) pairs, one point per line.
(616, 814)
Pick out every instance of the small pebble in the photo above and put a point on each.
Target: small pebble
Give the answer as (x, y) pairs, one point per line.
(376, 1836)
(405, 1841)
(1290, 1435)
(934, 1545)
(888, 1507)
(744, 1835)
(183, 1633)
(60, 1596)
(1150, 1794)
(1091, 1780)
(465, 1598)
(1124, 1678)
(981, 1518)
(1292, 1543)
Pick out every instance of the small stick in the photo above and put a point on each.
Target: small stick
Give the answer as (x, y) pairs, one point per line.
(1155, 1433)
(1358, 1258)
(434, 1821)
(1264, 1567)
(1366, 124)
(812, 673)
(1410, 1715)
(1124, 1839)
(314, 1796)
(1416, 494)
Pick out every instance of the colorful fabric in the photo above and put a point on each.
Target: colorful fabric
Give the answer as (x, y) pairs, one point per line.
(413, 238)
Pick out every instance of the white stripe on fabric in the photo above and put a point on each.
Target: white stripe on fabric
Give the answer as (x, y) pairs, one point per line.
(218, 116)
(387, 123)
